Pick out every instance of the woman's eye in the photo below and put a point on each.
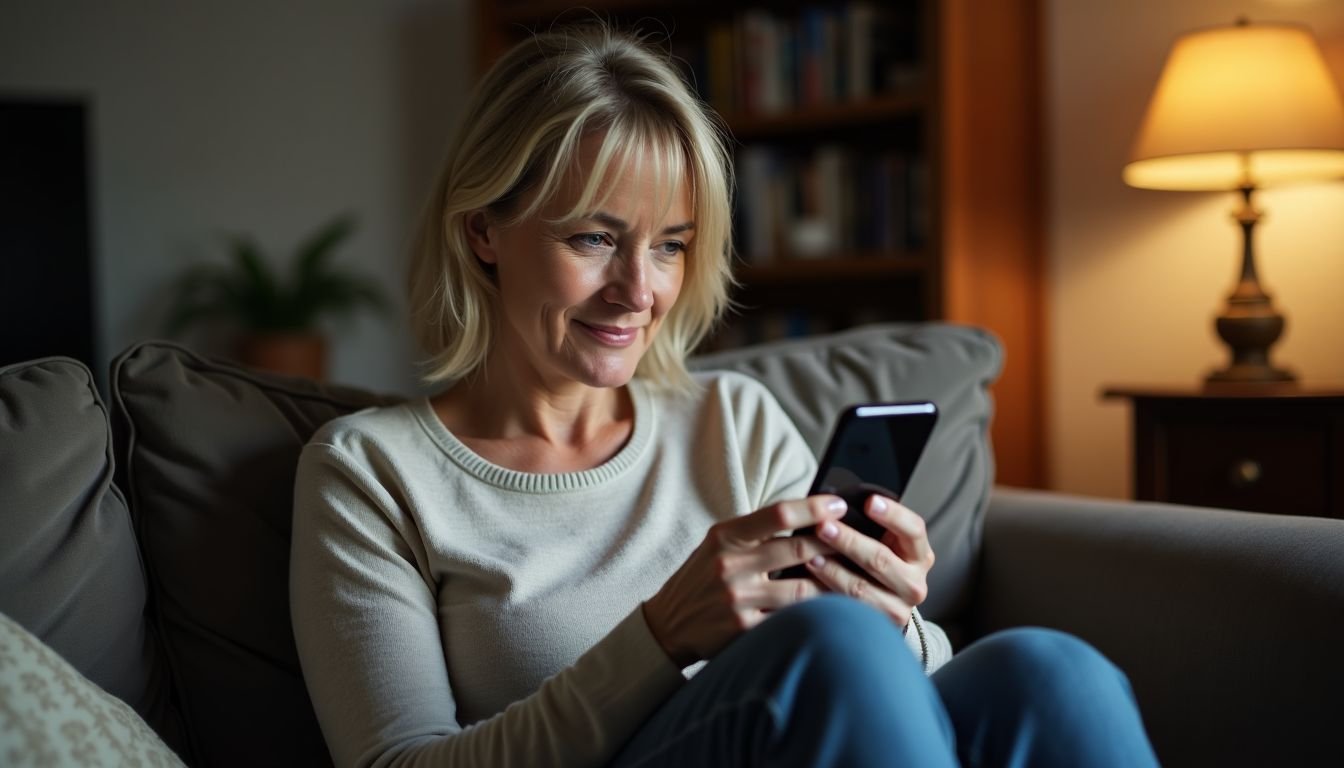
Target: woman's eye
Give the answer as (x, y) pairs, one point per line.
(671, 248)
(590, 240)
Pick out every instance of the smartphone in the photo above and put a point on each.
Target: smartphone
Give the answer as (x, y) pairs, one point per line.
(872, 450)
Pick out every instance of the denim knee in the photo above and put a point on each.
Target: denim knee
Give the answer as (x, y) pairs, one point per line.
(825, 682)
(842, 636)
(835, 621)
(848, 676)
(1041, 697)
(1052, 668)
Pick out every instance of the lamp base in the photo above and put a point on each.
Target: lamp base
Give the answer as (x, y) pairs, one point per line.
(1250, 374)
(1249, 328)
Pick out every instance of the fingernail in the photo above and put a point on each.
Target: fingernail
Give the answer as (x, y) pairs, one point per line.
(818, 561)
(879, 506)
(828, 530)
(836, 505)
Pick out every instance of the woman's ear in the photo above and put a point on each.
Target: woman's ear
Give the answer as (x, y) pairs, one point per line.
(479, 235)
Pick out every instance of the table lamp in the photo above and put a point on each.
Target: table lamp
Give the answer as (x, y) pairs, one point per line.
(1242, 107)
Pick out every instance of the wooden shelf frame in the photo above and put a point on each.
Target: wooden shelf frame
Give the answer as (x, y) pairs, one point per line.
(907, 103)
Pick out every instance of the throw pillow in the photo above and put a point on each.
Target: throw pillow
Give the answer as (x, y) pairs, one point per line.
(51, 715)
(209, 451)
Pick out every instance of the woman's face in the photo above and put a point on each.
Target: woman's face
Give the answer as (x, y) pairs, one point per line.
(581, 300)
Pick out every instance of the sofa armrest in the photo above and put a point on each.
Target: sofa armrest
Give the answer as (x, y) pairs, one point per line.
(1230, 625)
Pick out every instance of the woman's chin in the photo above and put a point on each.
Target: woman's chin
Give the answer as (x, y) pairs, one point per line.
(604, 371)
(587, 361)
(610, 379)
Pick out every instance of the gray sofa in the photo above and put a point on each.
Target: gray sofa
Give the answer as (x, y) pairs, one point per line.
(146, 542)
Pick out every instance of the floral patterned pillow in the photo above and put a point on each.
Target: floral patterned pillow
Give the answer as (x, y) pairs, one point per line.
(51, 715)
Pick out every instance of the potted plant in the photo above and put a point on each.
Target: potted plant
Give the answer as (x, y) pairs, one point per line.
(277, 314)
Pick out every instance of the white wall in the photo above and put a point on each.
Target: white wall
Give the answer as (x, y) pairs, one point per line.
(1136, 276)
(254, 116)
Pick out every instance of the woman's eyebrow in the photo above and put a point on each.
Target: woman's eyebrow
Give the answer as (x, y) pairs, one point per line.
(621, 225)
(678, 228)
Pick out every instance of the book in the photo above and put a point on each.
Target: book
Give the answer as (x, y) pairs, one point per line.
(754, 169)
(860, 18)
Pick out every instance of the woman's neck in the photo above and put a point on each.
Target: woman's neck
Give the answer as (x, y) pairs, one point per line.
(536, 428)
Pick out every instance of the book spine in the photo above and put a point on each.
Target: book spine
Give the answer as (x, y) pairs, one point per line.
(811, 32)
(859, 19)
(754, 184)
(752, 41)
(721, 80)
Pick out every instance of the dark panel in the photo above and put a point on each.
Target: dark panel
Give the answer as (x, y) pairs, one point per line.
(46, 302)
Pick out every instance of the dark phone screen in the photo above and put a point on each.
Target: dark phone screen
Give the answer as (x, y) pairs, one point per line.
(876, 445)
(874, 449)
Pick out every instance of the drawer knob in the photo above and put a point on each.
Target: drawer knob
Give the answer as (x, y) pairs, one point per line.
(1246, 473)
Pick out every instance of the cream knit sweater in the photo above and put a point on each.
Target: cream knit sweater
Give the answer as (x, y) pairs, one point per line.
(449, 611)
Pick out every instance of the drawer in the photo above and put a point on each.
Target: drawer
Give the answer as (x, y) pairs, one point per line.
(1264, 467)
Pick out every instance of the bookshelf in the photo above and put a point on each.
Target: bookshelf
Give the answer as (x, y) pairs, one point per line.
(887, 157)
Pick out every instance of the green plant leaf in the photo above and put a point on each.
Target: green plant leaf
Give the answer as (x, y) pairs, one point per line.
(201, 293)
(314, 254)
(341, 294)
(254, 285)
(183, 317)
(250, 292)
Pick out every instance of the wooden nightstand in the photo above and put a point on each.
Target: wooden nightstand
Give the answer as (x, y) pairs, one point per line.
(1268, 449)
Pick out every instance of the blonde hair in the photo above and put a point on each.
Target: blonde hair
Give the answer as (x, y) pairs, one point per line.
(521, 131)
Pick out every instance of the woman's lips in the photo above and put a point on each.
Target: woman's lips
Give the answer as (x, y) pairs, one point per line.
(611, 335)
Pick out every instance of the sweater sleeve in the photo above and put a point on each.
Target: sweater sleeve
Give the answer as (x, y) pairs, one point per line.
(777, 461)
(364, 608)
(928, 642)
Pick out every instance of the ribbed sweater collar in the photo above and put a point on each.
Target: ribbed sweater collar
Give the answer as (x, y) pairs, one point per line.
(529, 482)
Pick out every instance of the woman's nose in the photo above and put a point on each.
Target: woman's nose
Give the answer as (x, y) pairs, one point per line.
(628, 284)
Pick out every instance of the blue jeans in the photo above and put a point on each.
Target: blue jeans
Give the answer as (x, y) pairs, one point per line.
(829, 682)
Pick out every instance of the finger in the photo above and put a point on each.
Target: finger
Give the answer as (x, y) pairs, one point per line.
(773, 594)
(833, 575)
(781, 517)
(784, 551)
(910, 539)
(876, 559)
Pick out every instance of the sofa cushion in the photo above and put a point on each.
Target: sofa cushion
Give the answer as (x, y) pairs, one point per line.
(50, 714)
(210, 451)
(814, 378)
(69, 568)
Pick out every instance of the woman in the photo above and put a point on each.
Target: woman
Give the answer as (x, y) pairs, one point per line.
(526, 568)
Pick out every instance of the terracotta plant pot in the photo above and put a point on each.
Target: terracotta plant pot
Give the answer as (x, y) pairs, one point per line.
(294, 354)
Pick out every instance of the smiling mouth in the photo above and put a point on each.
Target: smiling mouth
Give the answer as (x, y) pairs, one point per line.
(610, 335)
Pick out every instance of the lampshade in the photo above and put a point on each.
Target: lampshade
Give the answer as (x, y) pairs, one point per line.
(1245, 105)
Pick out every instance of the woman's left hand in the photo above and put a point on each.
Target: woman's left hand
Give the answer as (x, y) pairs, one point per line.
(897, 565)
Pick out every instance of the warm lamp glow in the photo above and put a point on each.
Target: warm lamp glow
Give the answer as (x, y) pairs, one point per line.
(1242, 107)
(1251, 105)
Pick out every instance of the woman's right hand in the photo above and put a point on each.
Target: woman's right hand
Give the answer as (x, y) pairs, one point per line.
(724, 587)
